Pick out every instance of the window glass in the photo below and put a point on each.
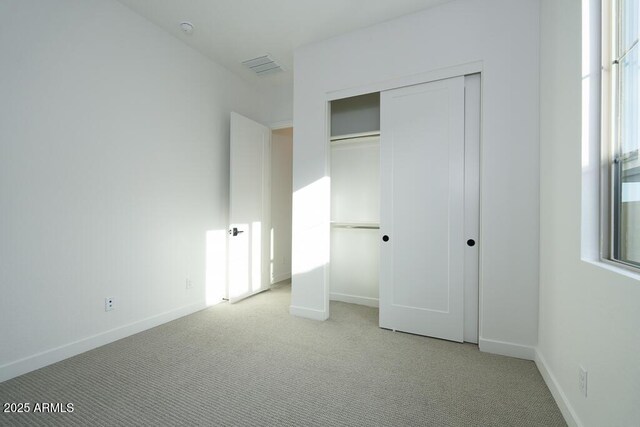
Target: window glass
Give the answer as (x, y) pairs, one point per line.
(629, 20)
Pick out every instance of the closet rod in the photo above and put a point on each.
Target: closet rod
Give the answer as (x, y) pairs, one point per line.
(362, 227)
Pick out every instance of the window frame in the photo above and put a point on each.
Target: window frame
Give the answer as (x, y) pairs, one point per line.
(610, 135)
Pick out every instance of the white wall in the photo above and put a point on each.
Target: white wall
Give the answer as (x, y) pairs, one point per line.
(113, 167)
(588, 313)
(501, 35)
(281, 184)
(277, 104)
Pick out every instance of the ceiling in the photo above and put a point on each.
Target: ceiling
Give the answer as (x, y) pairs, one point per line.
(232, 31)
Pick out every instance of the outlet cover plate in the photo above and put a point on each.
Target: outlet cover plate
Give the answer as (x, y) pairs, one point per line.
(582, 380)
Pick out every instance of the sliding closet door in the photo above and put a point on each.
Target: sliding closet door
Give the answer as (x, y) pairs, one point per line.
(422, 209)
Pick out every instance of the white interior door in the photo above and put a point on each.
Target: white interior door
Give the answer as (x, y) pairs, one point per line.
(249, 208)
(422, 209)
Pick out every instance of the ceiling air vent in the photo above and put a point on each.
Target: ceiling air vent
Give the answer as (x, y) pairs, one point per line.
(263, 65)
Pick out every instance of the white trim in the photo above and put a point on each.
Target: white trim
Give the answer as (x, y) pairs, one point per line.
(284, 124)
(281, 278)
(308, 313)
(567, 410)
(414, 79)
(47, 357)
(507, 349)
(354, 299)
(594, 214)
(326, 268)
(615, 267)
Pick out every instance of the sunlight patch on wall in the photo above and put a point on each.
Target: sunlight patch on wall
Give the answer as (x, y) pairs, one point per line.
(256, 256)
(586, 123)
(215, 266)
(239, 262)
(311, 216)
(271, 257)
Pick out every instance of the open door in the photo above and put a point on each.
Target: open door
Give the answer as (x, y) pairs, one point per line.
(249, 208)
(422, 209)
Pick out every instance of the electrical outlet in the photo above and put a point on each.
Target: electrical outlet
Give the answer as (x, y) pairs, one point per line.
(582, 380)
(109, 304)
(188, 284)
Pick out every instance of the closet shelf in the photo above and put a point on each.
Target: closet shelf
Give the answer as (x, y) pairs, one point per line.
(356, 225)
(354, 137)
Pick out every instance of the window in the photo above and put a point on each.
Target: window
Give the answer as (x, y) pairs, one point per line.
(621, 55)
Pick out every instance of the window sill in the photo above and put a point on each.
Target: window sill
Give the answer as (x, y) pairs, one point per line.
(614, 267)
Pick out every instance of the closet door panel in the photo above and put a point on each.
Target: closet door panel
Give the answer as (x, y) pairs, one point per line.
(422, 207)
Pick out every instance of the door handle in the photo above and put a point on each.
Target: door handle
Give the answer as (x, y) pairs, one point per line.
(234, 231)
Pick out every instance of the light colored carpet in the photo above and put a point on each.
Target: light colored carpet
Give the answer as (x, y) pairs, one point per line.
(252, 364)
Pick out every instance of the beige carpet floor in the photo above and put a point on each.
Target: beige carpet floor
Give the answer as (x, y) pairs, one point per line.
(252, 364)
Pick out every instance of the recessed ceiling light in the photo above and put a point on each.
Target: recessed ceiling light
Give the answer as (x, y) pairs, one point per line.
(186, 27)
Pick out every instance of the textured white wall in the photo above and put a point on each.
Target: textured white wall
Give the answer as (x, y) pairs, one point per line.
(504, 36)
(277, 104)
(281, 184)
(113, 167)
(588, 312)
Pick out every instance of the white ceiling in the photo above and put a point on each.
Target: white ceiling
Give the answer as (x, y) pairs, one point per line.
(232, 31)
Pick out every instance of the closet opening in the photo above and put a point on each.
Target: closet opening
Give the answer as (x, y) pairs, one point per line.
(355, 199)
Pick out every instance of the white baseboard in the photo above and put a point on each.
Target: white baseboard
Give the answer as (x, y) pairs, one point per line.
(309, 313)
(569, 414)
(507, 349)
(354, 299)
(280, 277)
(47, 357)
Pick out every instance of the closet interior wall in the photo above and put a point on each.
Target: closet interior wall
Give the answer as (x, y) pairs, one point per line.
(355, 199)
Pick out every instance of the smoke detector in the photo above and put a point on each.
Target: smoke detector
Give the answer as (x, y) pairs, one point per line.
(186, 27)
(263, 65)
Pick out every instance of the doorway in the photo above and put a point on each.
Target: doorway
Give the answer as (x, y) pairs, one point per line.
(260, 193)
(281, 203)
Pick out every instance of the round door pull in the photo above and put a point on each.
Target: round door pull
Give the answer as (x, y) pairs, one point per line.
(385, 238)
(471, 243)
